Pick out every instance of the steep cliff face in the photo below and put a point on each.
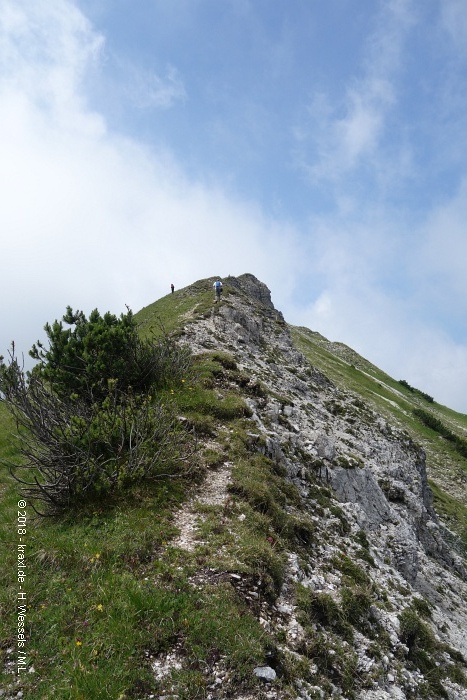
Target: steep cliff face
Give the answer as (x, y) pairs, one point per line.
(377, 551)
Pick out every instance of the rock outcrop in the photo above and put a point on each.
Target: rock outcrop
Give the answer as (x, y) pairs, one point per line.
(377, 474)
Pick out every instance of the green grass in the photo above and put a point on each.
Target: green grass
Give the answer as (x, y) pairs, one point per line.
(7, 429)
(103, 598)
(107, 594)
(172, 312)
(453, 512)
(225, 406)
(352, 372)
(434, 659)
(83, 586)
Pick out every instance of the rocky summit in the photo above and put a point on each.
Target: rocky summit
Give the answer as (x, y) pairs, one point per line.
(371, 601)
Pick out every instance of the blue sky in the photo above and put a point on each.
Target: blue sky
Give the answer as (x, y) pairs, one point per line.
(321, 146)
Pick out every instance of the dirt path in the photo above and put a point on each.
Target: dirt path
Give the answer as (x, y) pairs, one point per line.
(213, 492)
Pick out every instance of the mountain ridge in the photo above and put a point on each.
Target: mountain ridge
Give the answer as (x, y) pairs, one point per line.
(319, 432)
(310, 546)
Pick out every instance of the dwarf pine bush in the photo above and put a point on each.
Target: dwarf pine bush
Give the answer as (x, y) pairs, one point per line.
(90, 415)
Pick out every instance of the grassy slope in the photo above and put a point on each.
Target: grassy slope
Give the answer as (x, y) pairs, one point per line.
(105, 592)
(174, 310)
(447, 470)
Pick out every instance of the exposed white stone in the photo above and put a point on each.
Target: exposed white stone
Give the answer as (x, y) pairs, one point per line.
(266, 673)
(375, 471)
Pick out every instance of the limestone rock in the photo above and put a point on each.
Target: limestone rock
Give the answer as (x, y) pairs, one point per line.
(377, 476)
(266, 673)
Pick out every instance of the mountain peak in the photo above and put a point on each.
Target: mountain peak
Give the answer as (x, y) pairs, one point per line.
(253, 287)
(328, 453)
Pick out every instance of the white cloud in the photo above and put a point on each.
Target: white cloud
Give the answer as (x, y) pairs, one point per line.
(47, 47)
(397, 295)
(444, 253)
(88, 217)
(150, 90)
(94, 220)
(344, 143)
(385, 44)
(358, 133)
(454, 16)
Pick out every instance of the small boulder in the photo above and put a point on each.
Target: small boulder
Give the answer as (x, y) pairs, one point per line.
(266, 673)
